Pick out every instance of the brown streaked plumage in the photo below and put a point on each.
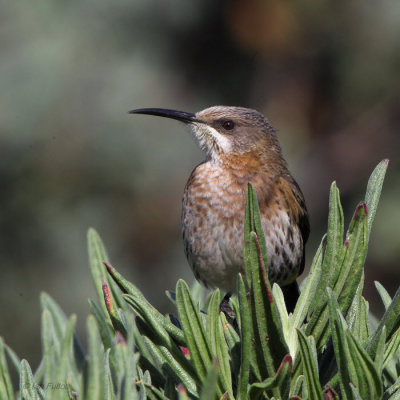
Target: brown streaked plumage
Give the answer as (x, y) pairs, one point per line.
(241, 147)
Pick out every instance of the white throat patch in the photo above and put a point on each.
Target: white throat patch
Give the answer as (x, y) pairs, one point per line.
(210, 140)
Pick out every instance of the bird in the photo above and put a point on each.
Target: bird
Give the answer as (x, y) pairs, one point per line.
(240, 147)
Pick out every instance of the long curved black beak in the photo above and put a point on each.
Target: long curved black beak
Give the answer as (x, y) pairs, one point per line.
(164, 112)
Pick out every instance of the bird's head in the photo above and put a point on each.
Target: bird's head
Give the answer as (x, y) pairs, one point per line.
(226, 131)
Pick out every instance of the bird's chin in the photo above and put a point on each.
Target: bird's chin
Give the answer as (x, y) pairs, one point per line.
(207, 144)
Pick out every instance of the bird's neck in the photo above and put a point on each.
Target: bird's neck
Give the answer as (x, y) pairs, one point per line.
(253, 163)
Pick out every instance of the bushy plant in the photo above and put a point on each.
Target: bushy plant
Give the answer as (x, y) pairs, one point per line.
(329, 348)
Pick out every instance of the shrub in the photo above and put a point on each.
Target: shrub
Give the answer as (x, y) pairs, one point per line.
(329, 348)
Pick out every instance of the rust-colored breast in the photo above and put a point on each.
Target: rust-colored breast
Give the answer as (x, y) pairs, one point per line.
(213, 218)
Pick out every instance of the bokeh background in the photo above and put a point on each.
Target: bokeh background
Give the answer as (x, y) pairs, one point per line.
(325, 73)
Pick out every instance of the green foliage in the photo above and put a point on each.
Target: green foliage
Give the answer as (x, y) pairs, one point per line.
(326, 349)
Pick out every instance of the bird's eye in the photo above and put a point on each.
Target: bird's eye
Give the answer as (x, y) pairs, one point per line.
(228, 125)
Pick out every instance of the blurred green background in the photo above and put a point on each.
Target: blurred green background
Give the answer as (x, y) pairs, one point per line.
(325, 73)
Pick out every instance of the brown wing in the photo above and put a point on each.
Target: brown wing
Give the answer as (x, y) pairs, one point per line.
(297, 209)
(303, 221)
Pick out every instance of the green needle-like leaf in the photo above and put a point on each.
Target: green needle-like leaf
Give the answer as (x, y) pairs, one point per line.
(310, 368)
(144, 309)
(374, 190)
(380, 352)
(355, 250)
(105, 330)
(390, 320)
(356, 395)
(343, 356)
(266, 322)
(233, 342)
(217, 341)
(245, 336)
(213, 321)
(59, 326)
(357, 316)
(393, 392)
(5, 380)
(392, 348)
(172, 364)
(65, 369)
(318, 312)
(354, 364)
(333, 249)
(369, 383)
(97, 256)
(281, 380)
(253, 224)
(296, 389)
(269, 346)
(192, 325)
(49, 350)
(385, 296)
(109, 390)
(210, 384)
(310, 285)
(27, 384)
(95, 384)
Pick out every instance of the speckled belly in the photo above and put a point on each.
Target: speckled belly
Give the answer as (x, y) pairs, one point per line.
(212, 227)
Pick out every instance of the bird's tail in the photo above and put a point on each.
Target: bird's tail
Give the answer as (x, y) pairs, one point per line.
(291, 294)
